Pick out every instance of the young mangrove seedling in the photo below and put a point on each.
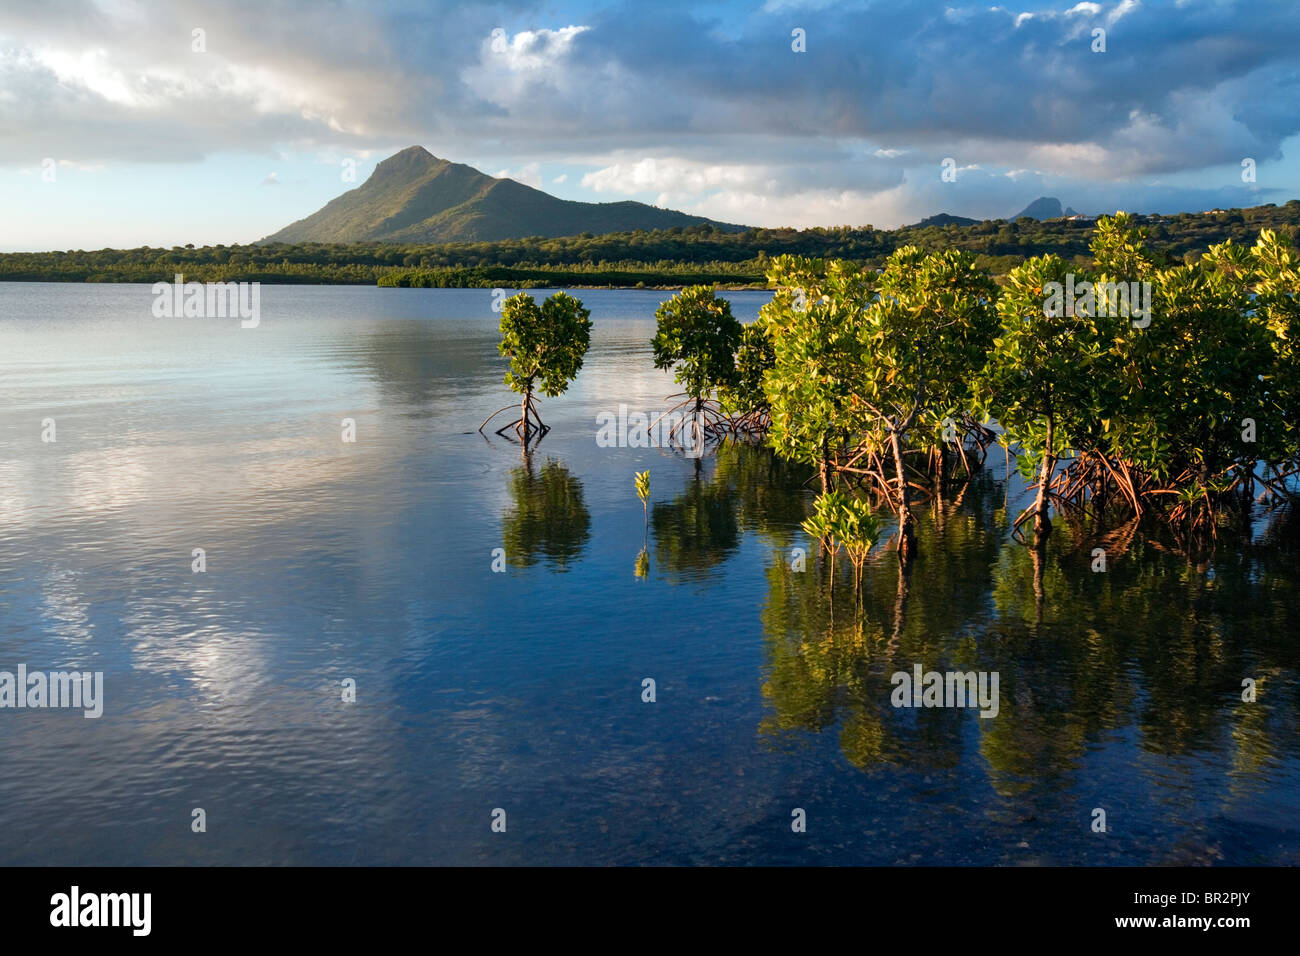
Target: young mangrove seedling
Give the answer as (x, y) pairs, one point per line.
(843, 521)
(821, 524)
(643, 492)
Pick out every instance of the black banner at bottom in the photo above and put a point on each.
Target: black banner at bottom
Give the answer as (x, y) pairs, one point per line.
(334, 905)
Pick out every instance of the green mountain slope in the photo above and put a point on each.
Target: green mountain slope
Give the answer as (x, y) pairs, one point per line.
(944, 219)
(413, 196)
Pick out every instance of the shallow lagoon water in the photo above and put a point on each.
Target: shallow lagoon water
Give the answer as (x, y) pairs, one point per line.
(522, 690)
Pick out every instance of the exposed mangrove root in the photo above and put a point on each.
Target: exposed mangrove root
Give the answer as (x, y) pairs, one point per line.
(1191, 505)
(752, 425)
(704, 423)
(528, 427)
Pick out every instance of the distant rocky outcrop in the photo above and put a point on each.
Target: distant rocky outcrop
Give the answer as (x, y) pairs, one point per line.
(1045, 207)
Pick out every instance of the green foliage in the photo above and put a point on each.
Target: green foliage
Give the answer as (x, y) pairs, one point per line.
(1165, 397)
(1147, 379)
(814, 323)
(1186, 383)
(841, 520)
(754, 356)
(821, 524)
(643, 492)
(1271, 272)
(924, 340)
(1046, 367)
(1118, 248)
(546, 345)
(858, 528)
(859, 360)
(698, 337)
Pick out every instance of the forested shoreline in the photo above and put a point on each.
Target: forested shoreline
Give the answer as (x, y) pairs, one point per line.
(1122, 390)
(669, 258)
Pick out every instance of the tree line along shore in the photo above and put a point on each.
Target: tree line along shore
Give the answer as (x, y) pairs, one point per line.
(670, 258)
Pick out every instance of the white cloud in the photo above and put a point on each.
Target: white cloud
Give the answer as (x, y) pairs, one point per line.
(672, 177)
(92, 71)
(537, 50)
(528, 174)
(1123, 8)
(775, 6)
(530, 60)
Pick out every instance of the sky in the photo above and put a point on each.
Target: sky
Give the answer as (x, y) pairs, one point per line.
(164, 123)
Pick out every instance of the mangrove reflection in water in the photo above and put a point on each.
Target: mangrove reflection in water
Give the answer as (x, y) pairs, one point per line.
(547, 519)
(1153, 643)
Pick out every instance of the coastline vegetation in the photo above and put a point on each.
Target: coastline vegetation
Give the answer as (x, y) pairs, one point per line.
(667, 258)
(887, 382)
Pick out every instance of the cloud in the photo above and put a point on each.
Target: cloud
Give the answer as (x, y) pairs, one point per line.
(671, 176)
(1120, 10)
(521, 71)
(529, 175)
(272, 179)
(708, 107)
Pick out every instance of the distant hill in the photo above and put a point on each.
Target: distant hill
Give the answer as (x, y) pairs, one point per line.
(944, 219)
(666, 258)
(415, 197)
(1045, 207)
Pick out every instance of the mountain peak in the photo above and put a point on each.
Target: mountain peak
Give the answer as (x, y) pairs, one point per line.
(1044, 207)
(415, 197)
(413, 157)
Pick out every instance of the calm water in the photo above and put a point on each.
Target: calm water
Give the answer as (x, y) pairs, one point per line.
(521, 690)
